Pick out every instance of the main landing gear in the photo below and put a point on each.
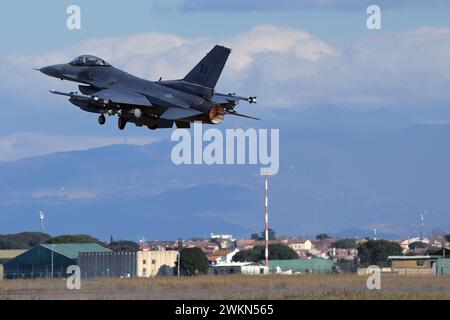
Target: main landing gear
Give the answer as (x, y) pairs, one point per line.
(122, 122)
(101, 119)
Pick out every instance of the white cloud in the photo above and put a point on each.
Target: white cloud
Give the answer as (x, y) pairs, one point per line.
(284, 66)
(269, 39)
(28, 144)
(262, 5)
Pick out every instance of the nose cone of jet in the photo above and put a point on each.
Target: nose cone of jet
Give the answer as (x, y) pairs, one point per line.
(52, 71)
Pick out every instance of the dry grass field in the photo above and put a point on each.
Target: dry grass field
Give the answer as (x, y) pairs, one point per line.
(233, 287)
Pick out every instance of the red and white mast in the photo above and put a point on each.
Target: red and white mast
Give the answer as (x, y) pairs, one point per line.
(267, 223)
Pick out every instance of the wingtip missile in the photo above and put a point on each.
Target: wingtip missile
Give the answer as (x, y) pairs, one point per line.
(252, 100)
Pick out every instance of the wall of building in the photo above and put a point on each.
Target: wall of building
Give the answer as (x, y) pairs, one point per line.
(7, 255)
(156, 263)
(402, 264)
(109, 264)
(413, 271)
(38, 262)
(443, 267)
(238, 269)
(314, 265)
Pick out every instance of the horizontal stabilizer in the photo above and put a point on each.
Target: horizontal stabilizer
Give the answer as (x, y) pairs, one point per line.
(179, 113)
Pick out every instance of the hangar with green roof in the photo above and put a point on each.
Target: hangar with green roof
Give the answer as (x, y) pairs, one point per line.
(48, 260)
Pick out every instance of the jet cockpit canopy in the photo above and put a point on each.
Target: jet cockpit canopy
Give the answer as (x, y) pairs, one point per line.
(88, 61)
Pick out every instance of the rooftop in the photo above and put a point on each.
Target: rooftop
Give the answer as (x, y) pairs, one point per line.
(409, 257)
(71, 250)
(10, 254)
(236, 264)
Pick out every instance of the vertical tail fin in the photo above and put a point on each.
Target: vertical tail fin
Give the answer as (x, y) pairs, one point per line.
(207, 72)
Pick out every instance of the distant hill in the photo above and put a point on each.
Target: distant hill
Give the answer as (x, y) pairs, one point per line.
(338, 177)
(23, 240)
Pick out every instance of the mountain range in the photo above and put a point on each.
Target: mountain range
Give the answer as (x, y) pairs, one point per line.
(342, 172)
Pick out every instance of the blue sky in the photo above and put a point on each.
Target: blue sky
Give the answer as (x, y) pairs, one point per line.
(40, 26)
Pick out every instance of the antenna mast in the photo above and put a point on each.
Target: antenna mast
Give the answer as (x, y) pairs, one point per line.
(41, 220)
(422, 217)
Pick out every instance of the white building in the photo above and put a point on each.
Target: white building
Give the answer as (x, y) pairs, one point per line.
(222, 236)
(300, 245)
(405, 243)
(238, 268)
(221, 257)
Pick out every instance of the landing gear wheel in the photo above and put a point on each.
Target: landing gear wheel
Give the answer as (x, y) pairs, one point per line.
(153, 126)
(101, 119)
(122, 123)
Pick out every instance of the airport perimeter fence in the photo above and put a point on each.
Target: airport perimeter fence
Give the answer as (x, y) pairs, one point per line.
(33, 272)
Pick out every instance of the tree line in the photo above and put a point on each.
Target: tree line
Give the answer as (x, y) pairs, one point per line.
(28, 240)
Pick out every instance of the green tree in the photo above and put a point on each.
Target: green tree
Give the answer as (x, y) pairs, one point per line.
(345, 244)
(272, 235)
(193, 261)
(254, 236)
(322, 236)
(123, 246)
(252, 255)
(376, 252)
(277, 251)
(447, 237)
(24, 240)
(74, 238)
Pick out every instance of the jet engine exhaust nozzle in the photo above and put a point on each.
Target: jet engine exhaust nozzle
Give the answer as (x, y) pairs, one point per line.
(216, 114)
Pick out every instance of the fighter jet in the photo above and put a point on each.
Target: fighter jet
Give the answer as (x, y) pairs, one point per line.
(109, 91)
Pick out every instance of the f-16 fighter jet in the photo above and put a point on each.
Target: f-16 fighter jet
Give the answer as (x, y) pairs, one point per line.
(109, 91)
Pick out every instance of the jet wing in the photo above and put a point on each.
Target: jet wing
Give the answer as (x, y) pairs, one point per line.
(176, 113)
(122, 96)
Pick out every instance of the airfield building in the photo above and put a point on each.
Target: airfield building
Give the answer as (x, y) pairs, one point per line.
(156, 263)
(48, 260)
(237, 268)
(107, 264)
(313, 265)
(7, 255)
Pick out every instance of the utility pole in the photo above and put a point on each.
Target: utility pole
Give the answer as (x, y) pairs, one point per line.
(53, 249)
(179, 256)
(267, 221)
